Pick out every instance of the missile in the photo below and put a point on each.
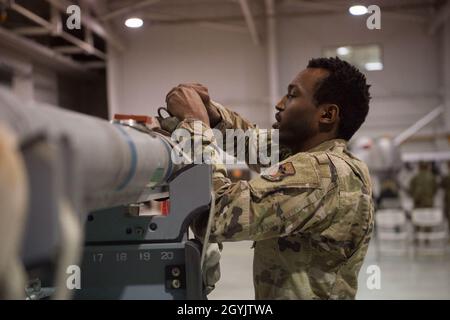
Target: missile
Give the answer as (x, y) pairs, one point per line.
(117, 163)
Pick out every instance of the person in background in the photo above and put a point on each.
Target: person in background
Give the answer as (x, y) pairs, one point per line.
(423, 187)
(389, 194)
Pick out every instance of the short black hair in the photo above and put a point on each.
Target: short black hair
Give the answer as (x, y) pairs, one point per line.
(346, 87)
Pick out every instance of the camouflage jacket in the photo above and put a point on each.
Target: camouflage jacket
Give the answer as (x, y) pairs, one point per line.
(311, 220)
(423, 188)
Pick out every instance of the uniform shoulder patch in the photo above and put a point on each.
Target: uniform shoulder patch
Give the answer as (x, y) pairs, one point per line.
(284, 170)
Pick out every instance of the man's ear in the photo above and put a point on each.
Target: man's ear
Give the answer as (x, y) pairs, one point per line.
(329, 113)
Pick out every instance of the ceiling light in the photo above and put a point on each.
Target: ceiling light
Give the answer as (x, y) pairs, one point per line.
(134, 22)
(343, 51)
(373, 66)
(357, 10)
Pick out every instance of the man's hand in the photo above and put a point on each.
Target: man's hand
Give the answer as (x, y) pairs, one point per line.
(213, 114)
(211, 267)
(183, 103)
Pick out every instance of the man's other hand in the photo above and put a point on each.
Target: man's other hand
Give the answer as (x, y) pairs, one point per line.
(211, 267)
(184, 102)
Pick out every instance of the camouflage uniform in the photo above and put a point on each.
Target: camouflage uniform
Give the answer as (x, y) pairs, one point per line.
(311, 221)
(422, 189)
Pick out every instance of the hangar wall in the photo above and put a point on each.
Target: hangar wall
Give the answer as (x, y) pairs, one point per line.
(403, 92)
(159, 58)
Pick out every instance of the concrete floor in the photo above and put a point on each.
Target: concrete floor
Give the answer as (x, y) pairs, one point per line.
(402, 277)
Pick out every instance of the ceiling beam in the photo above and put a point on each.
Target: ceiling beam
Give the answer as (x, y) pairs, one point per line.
(68, 50)
(31, 31)
(88, 48)
(91, 23)
(56, 21)
(128, 9)
(165, 18)
(222, 26)
(95, 65)
(315, 5)
(50, 27)
(250, 21)
(41, 54)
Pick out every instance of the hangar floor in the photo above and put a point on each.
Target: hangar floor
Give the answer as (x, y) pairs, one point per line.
(402, 277)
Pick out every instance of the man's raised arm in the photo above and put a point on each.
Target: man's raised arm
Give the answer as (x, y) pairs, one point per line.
(240, 138)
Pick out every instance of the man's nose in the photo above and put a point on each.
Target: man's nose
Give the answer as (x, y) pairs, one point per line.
(281, 105)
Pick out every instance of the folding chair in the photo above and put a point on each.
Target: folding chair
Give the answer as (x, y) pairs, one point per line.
(391, 232)
(430, 231)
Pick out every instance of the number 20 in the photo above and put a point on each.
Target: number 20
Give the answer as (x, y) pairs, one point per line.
(166, 255)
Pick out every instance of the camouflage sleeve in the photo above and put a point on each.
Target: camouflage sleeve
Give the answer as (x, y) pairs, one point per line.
(245, 141)
(230, 119)
(267, 206)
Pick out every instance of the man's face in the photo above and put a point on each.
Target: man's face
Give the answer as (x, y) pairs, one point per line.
(298, 116)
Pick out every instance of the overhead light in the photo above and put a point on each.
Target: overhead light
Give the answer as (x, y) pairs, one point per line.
(343, 51)
(134, 22)
(358, 10)
(373, 66)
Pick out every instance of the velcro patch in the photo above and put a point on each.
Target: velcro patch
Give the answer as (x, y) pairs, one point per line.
(284, 170)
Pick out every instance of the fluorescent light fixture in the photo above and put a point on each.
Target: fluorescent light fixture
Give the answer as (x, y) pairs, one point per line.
(358, 10)
(373, 66)
(134, 22)
(343, 51)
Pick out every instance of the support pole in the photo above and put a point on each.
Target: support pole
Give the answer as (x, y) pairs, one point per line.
(272, 57)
